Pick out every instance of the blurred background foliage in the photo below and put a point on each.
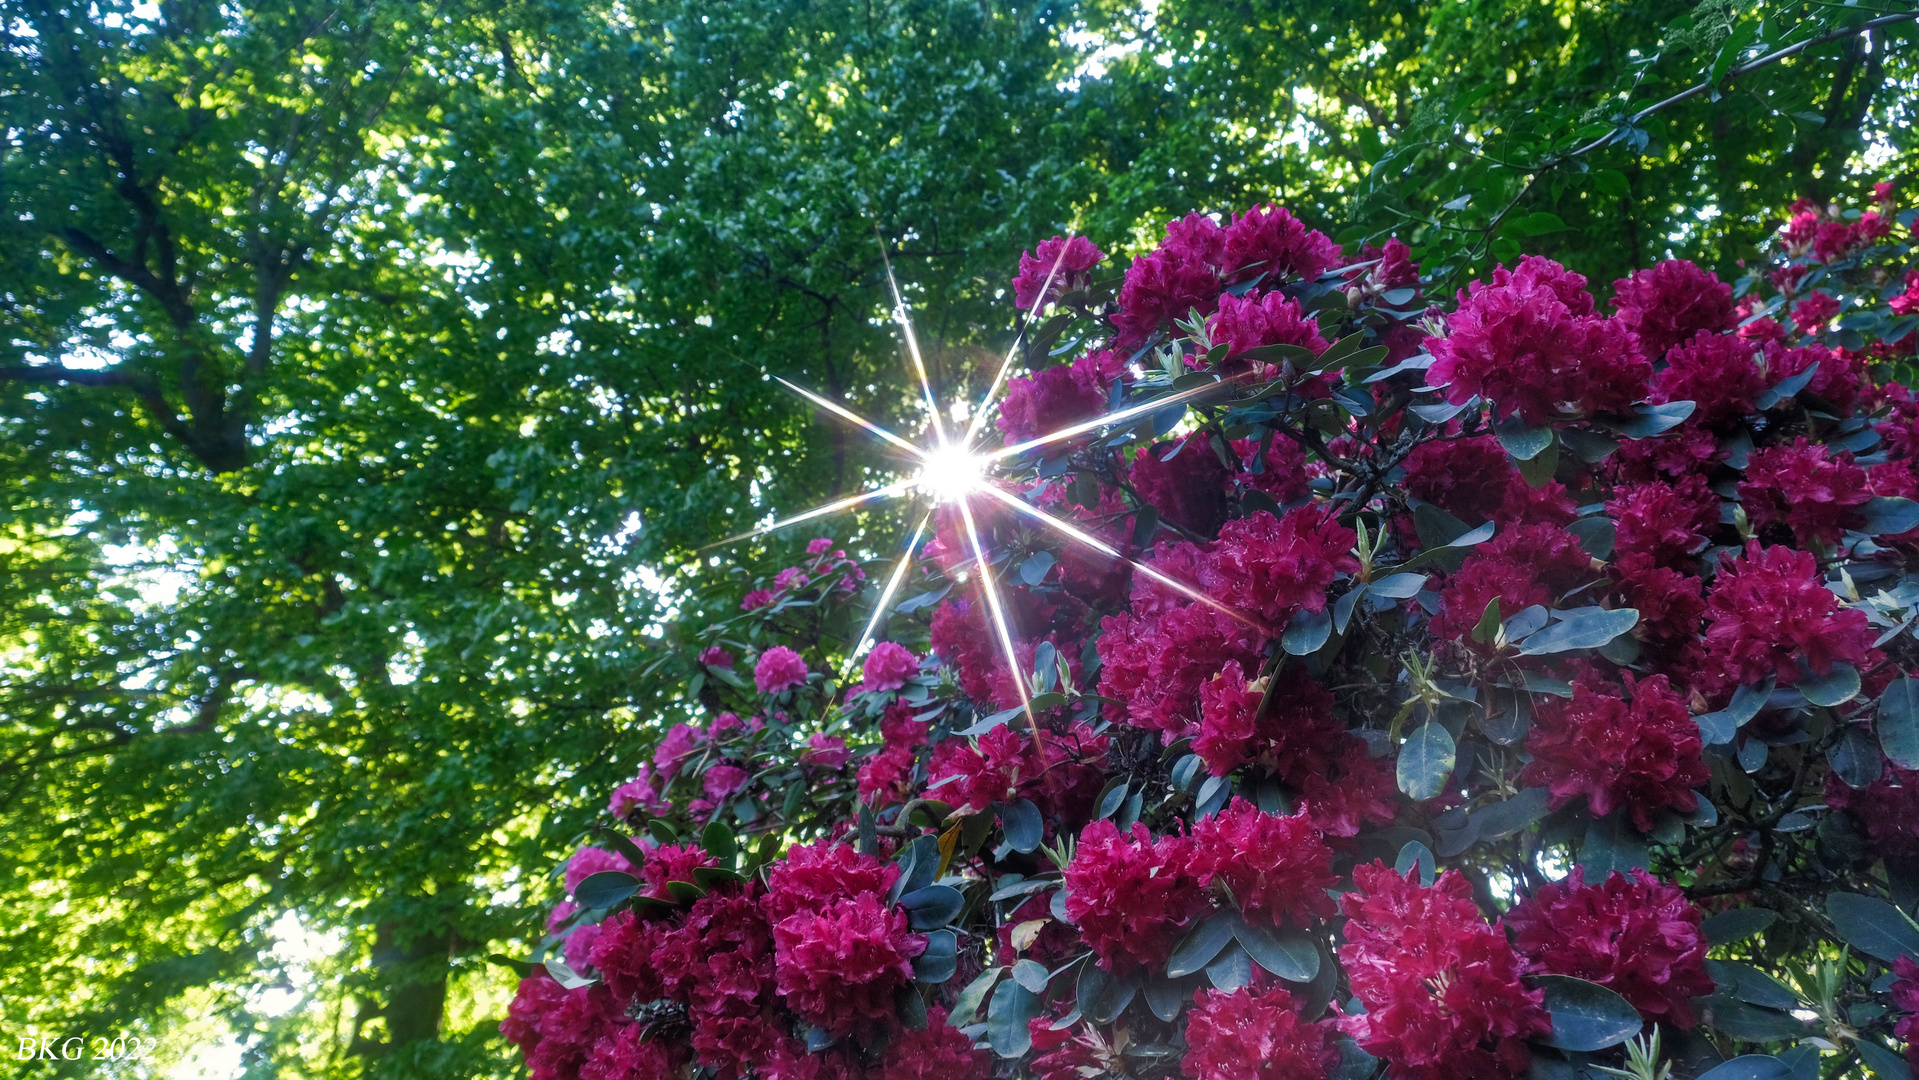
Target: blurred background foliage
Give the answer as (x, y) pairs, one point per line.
(373, 371)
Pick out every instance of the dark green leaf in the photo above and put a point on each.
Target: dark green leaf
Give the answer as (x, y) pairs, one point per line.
(1650, 420)
(1006, 1019)
(1586, 1016)
(1872, 926)
(713, 877)
(966, 1007)
(1750, 1023)
(1231, 970)
(621, 843)
(1307, 633)
(1414, 854)
(1398, 586)
(933, 906)
(1287, 953)
(684, 893)
(1200, 945)
(1102, 996)
(1586, 631)
(1486, 630)
(1885, 1064)
(1836, 687)
(1034, 569)
(1166, 997)
(1888, 515)
(1749, 1067)
(606, 888)
(1611, 844)
(1522, 441)
(1751, 985)
(1502, 819)
(1737, 924)
(940, 960)
(1426, 761)
(1031, 974)
(719, 842)
(1023, 825)
(1897, 723)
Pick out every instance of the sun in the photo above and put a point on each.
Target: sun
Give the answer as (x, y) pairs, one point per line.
(954, 471)
(950, 473)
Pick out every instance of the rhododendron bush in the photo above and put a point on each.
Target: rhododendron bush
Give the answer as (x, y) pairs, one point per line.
(1505, 684)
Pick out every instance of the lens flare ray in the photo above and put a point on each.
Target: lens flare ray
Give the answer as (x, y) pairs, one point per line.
(1078, 535)
(847, 414)
(1006, 365)
(886, 594)
(990, 588)
(897, 487)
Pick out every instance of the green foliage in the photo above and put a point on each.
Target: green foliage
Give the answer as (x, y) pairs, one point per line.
(374, 370)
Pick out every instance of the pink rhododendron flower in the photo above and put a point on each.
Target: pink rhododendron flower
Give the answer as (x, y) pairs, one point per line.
(639, 793)
(1130, 894)
(1905, 998)
(825, 751)
(1048, 400)
(1768, 609)
(1813, 313)
(628, 1053)
(779, 668)
(1836, 382)
(1255, 1035)
(1178, 277)
(1886, 810)
(1670, 603)
(672, 862)
(1277, 868)
(1664, 522)
(1642, 755)
(1527, 343)
(1273, 567)
(1300, 742)
(1064, 261)
(1636, 936)
(1805, 488)
(1186, 480)
(1248, 322)
(756, 599)
(624, 956)
(935, 1052)
(1668, 302)
(714, 656)
(1075, 1052)
(812, 876)
(718, 963)
(837, 967)
(1532, 564)
(888, 666)
(1474, 479)
(1157, 663)
(1907, 302)
(1717, 372)
(1442, 989)
(1281, 473)
(682, 741)
(724, 780)
(1269, 240)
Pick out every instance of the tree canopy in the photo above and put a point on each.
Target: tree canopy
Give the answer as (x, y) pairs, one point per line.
(375, 371)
